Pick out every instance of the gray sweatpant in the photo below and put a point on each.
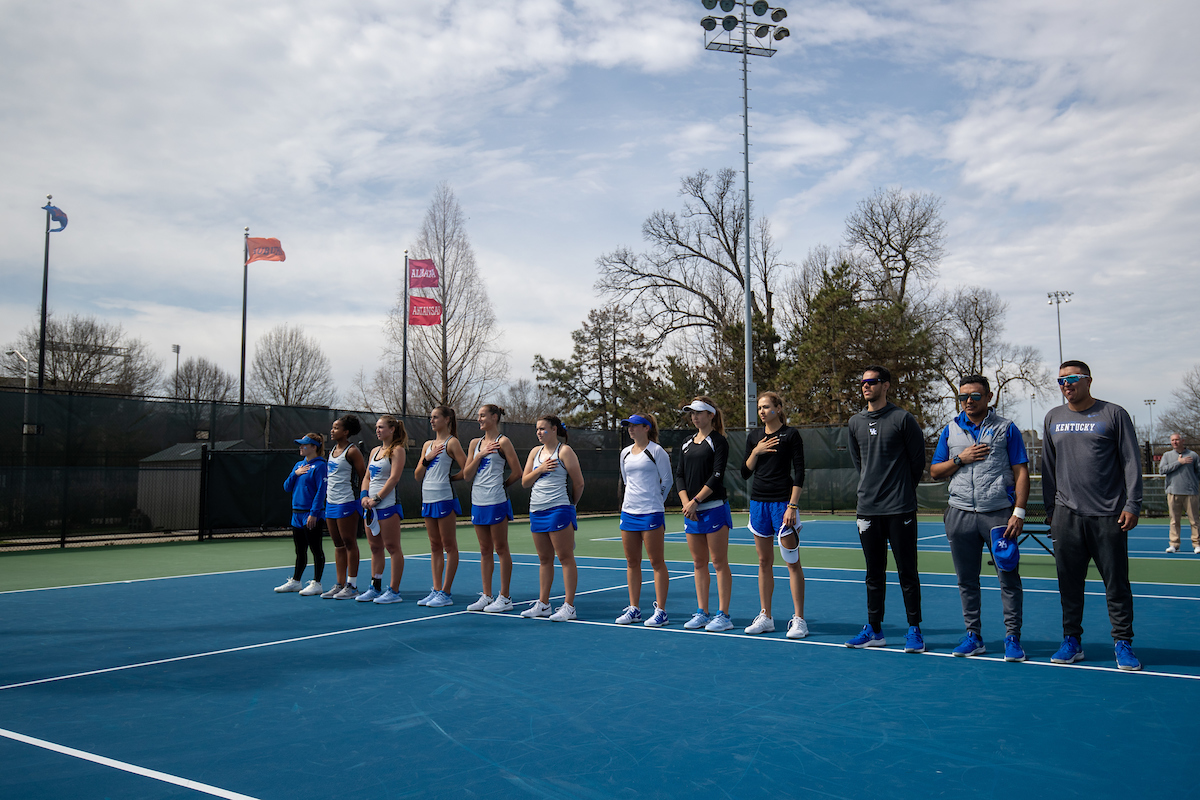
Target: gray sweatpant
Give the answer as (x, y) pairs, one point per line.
(969, 533)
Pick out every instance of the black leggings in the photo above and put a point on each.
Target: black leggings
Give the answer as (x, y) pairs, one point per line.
(306, 540)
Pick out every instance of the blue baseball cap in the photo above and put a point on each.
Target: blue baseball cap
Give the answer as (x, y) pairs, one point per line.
(636, 419)
(307, 440)
(1004, 551)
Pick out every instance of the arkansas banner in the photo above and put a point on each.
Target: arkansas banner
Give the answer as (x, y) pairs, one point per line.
(264, 250)
(422, 274)
(424, 311)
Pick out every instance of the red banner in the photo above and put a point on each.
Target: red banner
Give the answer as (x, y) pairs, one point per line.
(422, 274)
(424, 311)
(264, 250)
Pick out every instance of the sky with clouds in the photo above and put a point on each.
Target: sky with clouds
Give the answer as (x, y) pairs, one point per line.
(1061, 136)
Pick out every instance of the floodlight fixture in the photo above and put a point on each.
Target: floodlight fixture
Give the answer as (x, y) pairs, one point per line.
(727, 5)
(781, 34)
(762, 31)
(709, 4)
(729, 23)
(778, 15)
(709, 23)
(761, 7)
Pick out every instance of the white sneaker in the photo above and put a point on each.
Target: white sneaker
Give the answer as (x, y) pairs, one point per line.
(332, 593)
(314, 587)
(720, 622)
(565, 612)
(658, 620)
(536, 609)
(1173, 549)
(292, 585)
(388, 597)
(424, 601)
(797, 628)
(440, 600)
(1196, 549)
(348, 592)
(483, 602)
(499, 605)
(369, 594)
(762, 624)
(630, 614)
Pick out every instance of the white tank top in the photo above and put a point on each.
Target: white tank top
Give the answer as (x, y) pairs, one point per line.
(550, 490)
(340, 486)
(435, 487)
(381, 470)
(488, 488)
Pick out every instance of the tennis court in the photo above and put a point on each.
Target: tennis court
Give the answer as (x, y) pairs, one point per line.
(212, 685)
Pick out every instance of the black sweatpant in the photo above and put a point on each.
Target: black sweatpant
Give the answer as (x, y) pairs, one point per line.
(305, 540)
(1078, 540)
(874, 533)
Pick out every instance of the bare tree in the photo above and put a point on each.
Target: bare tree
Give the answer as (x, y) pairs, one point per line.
(202, 381)
(290, 369)
(525, 401)
(899, 236)
(1184, 416)
(458, 362)
(84, 353)
(970, 342)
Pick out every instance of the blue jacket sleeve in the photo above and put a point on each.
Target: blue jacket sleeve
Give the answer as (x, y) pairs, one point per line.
(320, 479)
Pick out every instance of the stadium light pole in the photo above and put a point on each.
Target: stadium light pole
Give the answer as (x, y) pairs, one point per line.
(1150, 405)
(727, 41)
(1056, 300)
(175, 350)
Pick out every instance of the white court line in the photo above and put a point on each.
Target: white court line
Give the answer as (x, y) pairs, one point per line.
(814, 643)
(226, 650)
(125, 767)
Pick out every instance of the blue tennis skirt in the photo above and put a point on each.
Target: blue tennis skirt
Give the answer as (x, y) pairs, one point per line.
(390, 511)
(637, 523)
(709, 521)
(490, 515)
(442, 508)
(552, 520)
(340, 510)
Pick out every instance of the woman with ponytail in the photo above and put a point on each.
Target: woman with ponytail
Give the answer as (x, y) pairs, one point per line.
(491, 510)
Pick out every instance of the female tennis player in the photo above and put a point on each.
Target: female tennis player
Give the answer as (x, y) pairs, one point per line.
(645, 470)
(491, 510)
(306, 482)
(439, 506)
(700, 479)
(775, 457)
(381, 510)
(552, 514)
(341, 506)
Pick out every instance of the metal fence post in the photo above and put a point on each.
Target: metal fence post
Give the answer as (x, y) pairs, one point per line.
(202, 522)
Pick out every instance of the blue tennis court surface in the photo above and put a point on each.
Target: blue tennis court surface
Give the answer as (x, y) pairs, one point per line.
(1146, 541)
(213, 685)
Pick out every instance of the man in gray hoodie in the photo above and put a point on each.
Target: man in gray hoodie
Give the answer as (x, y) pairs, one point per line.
(888, 451)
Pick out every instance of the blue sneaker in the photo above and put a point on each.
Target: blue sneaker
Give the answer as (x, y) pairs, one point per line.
(971, 645)
(867, 637)
(1012, 649)
(630, 614)
(914, 642)
(1070, 651)
(440, 600)
(720, 622)
(698, 620)
(367, 596)
(1126, 660)
(389, 596)
(659, 619)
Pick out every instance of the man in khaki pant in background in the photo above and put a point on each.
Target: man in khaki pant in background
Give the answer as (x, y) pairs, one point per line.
(1182, 470)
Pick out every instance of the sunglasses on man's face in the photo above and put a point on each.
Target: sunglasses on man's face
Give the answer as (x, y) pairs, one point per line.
(1071, 380)
(962, 398)
(870, 381)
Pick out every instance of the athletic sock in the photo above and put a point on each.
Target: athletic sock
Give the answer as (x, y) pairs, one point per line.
(352, 582)
(377, 583)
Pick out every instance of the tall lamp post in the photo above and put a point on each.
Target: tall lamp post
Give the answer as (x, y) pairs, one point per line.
(727, 40)
(1150, 405)
(175, 350)
(1056, 300)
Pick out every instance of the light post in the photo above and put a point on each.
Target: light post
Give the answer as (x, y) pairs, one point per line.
(727, 41)
(1150, 405)
(1056, 300)
(25, 410)
(175, 350)
(1032, 421)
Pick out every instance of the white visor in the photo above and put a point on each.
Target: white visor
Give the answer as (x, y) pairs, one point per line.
(697, 405)
(790, 555)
